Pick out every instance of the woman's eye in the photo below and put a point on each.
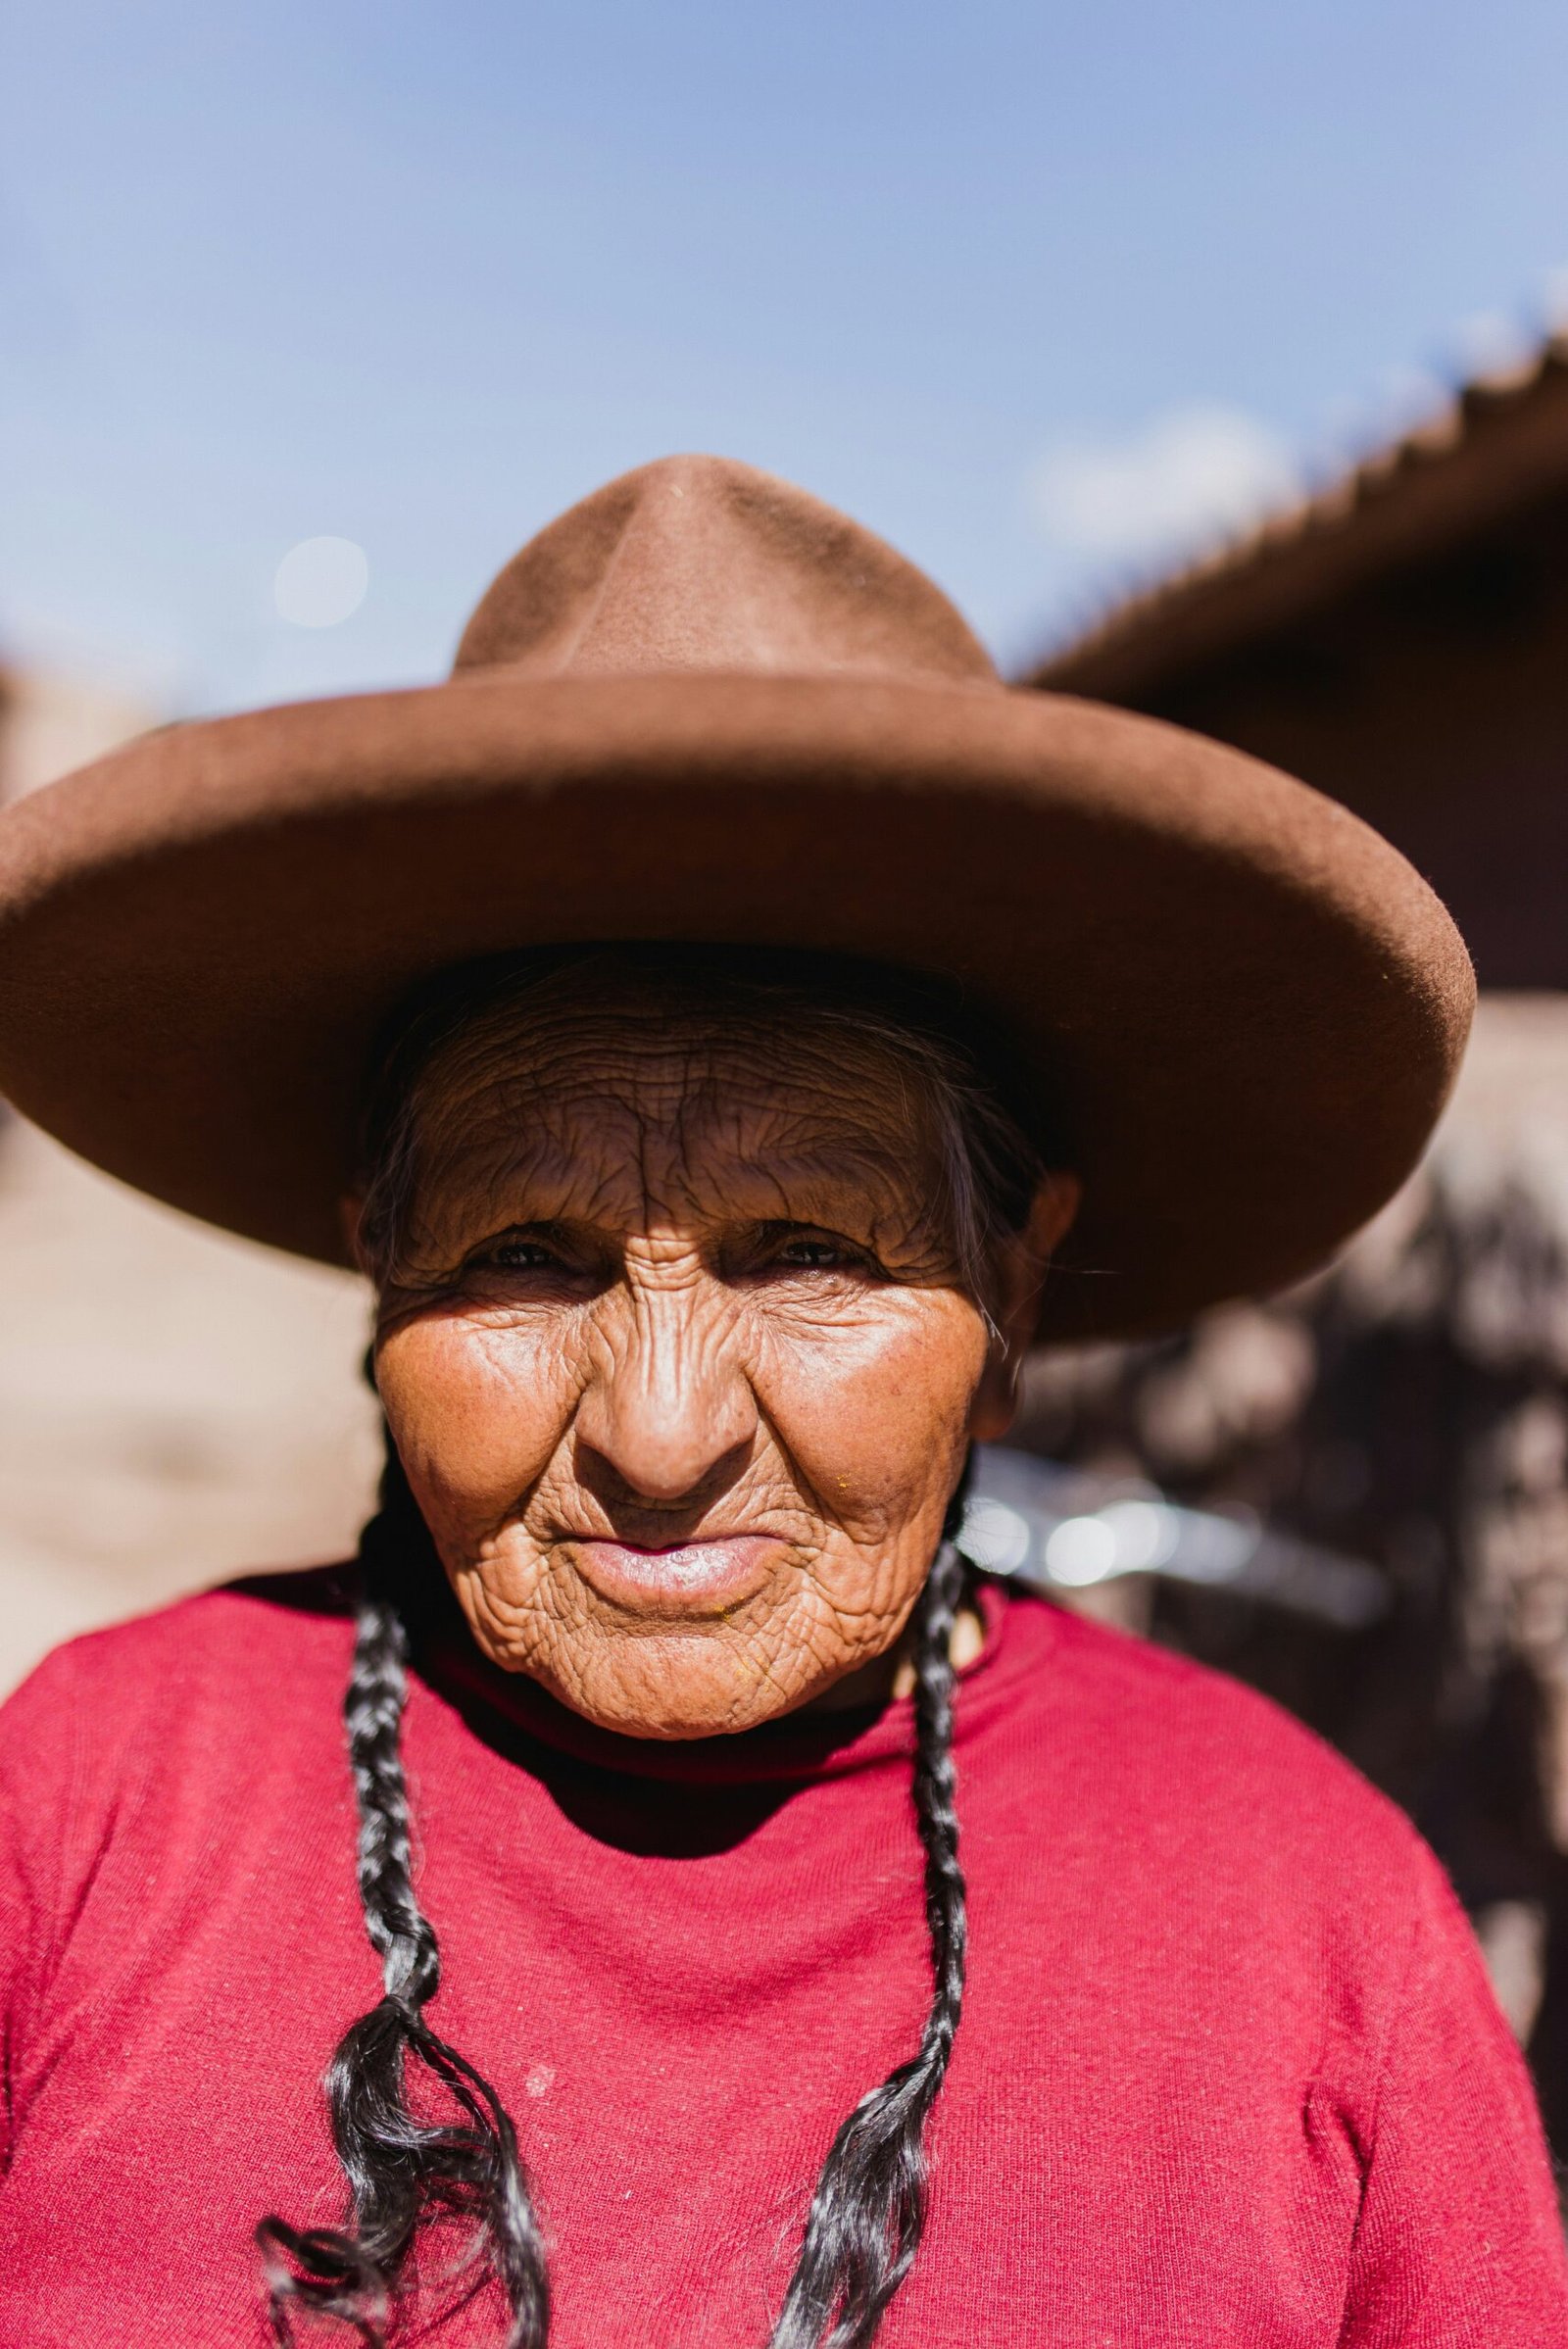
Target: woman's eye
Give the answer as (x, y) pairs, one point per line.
(520, 1254)
(814, 1251)
(815, 1254)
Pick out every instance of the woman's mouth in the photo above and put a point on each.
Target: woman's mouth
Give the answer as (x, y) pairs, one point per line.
(705, 1576)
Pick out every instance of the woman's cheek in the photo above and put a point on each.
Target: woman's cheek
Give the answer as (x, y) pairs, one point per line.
(876, 1418)
(476, 1410)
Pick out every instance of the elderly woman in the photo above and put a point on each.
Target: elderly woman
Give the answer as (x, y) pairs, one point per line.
(727, 1029)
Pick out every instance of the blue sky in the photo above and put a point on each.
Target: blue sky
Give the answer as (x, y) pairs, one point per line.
(1039, 292)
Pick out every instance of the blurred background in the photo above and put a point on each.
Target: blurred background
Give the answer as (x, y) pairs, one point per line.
(1214, 360)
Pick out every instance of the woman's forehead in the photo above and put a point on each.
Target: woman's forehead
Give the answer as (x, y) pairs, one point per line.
(644, 1092)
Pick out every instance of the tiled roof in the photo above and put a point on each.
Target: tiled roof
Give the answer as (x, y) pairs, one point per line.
(1499, 443)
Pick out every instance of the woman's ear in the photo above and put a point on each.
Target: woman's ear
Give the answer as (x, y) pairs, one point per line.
(1021, 1268)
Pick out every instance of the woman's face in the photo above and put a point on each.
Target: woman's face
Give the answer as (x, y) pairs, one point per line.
(677, 1357)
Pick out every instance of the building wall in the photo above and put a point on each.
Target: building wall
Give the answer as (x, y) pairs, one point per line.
(1435, 703)
(51, 722)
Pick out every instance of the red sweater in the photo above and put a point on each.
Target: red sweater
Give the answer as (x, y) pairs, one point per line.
(1229, 2075)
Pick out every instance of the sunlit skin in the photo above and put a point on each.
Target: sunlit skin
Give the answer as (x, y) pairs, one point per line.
(680, 1364)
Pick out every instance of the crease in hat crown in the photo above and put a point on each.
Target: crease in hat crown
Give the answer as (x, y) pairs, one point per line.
(700, 563)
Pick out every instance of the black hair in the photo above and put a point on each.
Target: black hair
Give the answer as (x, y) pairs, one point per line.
(402, 2171)
(869, 2211)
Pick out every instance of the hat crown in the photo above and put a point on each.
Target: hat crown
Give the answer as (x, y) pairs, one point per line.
(698, 563)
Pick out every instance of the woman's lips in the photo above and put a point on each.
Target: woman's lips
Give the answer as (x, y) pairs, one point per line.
(703, 1577)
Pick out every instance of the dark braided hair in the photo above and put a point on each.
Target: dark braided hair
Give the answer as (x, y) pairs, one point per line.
(867, 2215)
(869, 2206)
(400, 2169)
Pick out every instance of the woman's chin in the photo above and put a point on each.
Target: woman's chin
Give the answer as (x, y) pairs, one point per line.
(683, 1687)
(668, 1645)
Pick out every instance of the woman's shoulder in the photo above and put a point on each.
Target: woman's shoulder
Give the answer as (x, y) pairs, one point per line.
(1224, 1833)
(1212, 1769)
(257, 1644)
(138, 1760)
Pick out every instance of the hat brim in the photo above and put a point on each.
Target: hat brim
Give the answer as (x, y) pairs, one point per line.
(1246, 1007)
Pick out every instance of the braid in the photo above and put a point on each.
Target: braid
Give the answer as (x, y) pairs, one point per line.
(868, 2210)
(400, 2169)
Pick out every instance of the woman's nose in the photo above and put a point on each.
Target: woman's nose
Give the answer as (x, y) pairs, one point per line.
(669, 1411)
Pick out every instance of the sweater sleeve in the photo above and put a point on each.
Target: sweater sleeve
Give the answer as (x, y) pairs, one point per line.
(38, 1749)
(1461, 2242)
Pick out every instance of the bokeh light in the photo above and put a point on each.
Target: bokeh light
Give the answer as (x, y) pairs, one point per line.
(320, 582)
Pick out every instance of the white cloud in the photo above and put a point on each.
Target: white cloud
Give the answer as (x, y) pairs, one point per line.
(1490, 342)
(1191, 476)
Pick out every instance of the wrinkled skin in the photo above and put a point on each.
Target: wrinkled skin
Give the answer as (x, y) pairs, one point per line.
(672, 1295)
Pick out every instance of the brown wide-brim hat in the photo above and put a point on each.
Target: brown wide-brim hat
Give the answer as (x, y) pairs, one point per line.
(702, 707)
